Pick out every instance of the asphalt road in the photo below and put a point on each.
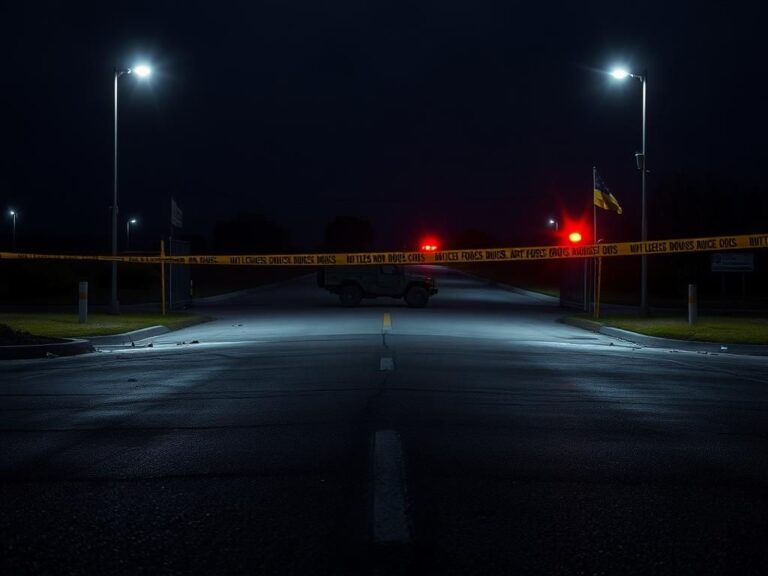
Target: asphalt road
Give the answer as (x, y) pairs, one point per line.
(475, 436)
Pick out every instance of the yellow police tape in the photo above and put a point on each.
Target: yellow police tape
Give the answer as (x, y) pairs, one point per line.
(678, 246)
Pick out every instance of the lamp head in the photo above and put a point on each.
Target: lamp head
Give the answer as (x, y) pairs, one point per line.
(620, 73)
(142, 70)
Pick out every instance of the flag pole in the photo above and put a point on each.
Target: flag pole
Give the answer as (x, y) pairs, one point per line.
(594, 206)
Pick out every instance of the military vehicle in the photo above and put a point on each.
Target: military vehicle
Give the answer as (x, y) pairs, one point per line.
(353, 283)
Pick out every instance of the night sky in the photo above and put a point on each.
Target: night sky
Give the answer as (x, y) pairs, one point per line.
(420, 117)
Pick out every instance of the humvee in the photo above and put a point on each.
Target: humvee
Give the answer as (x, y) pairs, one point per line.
(353, 283)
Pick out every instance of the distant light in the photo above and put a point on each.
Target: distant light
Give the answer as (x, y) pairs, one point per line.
(133, 221)
(429, 243)
(551, 221)
(12, 212)
(575, 237)
(619, 73)
(142, 70)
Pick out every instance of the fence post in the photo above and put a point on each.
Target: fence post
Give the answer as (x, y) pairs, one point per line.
(693, 305)
(82, 302)
(162, 273)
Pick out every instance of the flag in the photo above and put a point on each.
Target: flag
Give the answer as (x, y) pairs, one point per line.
(603, 197)
(177, 216)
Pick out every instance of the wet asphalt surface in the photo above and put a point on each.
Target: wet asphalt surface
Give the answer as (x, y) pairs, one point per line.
(528, 446)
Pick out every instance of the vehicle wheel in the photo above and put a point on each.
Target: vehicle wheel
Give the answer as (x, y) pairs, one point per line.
(417, 297)
(350, 295)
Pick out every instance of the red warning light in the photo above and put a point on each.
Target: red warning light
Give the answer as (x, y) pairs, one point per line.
(429, 245)
(574, 230)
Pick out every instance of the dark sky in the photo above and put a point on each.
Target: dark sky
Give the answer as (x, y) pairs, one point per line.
(420, 116)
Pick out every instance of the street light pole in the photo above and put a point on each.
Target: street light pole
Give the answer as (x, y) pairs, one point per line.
(114, 306)
(13, 214)
(621, 74)
(142, 71)
(128, 232)
(643, 229)
(555, 223)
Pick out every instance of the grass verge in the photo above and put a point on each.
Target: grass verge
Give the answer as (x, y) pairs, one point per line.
(11, 337)
(67, 326)
(708, 329)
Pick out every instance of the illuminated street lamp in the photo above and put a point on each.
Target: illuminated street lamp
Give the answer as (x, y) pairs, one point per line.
(142, 71)
(555, 223)
(128, 224)
(619, 73)
(13, 213)
(622, 74)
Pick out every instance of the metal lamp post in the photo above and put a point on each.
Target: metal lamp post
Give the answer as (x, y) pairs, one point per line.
(128, 224)
(13, 215)
(621, 74)
(142, 71)
(555, 223)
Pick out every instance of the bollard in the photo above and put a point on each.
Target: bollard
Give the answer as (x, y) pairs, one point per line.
(693, 305)
(82, 306)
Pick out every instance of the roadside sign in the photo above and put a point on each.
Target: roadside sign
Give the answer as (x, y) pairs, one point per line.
(177, 216)
(732, 262)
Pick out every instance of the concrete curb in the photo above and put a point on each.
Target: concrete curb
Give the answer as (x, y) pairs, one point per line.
(582, 323)
(69, 347)
(128, 338)
(671, 343)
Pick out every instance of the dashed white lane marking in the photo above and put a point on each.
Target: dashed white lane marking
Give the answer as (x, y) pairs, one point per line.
(387, 364)
(390, 522)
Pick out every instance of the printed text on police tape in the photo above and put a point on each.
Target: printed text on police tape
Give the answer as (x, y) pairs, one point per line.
(678, 246)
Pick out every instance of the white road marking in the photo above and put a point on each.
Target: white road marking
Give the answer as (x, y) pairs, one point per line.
(386, 364)
(390, 522)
